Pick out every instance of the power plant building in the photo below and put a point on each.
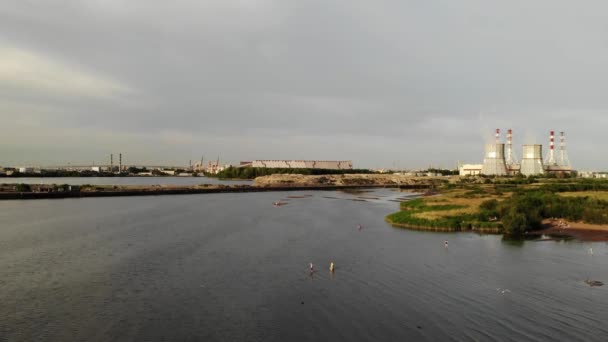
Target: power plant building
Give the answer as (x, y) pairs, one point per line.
(470, 169)
(500, 159)
(304, 164)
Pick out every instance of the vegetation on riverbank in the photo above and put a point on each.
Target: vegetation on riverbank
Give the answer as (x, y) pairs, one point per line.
(432, 214)
(512, 206)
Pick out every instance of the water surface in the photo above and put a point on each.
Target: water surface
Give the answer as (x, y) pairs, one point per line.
(233, 267)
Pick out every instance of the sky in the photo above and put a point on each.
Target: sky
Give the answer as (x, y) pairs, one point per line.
(407, 84)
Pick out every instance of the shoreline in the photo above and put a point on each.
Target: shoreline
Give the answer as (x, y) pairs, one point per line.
(583, 232)
(493, 231)
(153, 190)
(578, 230)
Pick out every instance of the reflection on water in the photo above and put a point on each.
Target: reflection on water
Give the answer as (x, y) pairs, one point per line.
(234, 267)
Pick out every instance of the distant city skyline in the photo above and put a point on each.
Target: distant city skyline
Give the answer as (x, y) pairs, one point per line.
(384, 84)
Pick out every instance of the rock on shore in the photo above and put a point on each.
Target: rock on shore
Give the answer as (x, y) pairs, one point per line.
(341, 180)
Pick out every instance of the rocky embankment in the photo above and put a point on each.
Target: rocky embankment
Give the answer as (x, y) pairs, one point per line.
(284, 180)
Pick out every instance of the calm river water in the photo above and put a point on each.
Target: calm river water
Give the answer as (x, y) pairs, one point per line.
(233, 267)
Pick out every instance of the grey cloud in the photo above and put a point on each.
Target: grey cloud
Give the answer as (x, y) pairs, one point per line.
(382, 83)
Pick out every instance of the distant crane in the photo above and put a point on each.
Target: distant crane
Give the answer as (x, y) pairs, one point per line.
(214, 168)
(199, 167)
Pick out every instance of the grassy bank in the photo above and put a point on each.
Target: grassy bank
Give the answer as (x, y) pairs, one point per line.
(441, 214)
(509, 206)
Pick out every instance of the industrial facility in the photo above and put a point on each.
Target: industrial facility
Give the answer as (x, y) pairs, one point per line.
(301, 164)
(213, 166)
(500, 159)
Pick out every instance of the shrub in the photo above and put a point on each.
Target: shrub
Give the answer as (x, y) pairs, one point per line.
(489, 205)
(514, 223)
(22, 187)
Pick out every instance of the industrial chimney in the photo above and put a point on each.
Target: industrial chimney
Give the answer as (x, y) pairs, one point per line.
(564, 162)
(513, 166)
(551, 158)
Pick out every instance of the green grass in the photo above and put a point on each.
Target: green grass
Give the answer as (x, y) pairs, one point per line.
(422, 206)
(411, 215)
(518, 203)
(600, 195)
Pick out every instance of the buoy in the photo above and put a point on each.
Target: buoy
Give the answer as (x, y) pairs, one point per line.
(312, 267)
(445, 243)
(331, 267)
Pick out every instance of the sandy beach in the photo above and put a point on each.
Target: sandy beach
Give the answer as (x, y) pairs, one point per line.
(578, 230)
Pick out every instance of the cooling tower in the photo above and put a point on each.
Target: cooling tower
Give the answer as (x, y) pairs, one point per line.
(494, 161)
(532, 160)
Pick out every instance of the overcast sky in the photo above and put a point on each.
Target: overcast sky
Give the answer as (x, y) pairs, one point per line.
(383, 83)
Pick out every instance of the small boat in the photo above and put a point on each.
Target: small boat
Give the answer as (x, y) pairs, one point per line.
(593, 283)
(279, 203)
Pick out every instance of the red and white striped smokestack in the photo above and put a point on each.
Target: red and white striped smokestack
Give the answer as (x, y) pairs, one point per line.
(498, 135)
(551, 159)
(509, 136)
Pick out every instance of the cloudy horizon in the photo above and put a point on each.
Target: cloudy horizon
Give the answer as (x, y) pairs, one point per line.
(385, 84)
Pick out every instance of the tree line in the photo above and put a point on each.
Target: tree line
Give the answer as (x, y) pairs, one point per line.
(525, 210)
